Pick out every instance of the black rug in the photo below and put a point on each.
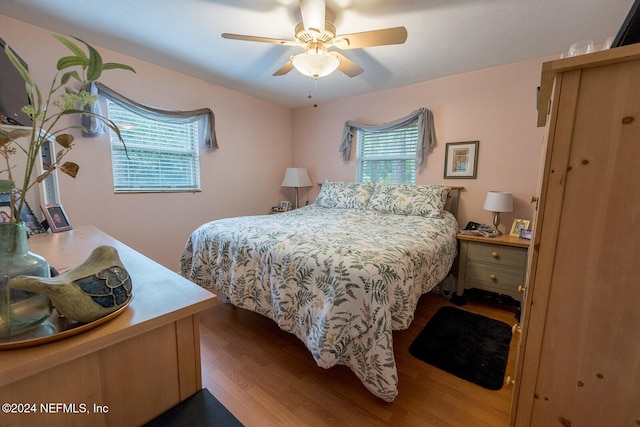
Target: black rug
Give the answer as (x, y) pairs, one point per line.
(200, 410)
(467, 345)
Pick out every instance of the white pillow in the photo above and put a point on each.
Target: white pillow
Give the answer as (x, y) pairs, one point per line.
(406, 199)
(345, 195)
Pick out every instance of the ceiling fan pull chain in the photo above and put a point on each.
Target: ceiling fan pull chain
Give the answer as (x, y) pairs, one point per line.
(315, 89)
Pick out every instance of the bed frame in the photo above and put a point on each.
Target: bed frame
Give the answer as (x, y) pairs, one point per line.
(453, 200)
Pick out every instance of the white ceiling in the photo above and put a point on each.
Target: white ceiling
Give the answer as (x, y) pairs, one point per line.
(446, 37)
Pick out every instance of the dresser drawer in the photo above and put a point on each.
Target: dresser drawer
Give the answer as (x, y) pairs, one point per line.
(495, 278)
(495, 254)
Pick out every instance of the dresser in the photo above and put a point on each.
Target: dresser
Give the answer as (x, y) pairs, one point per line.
(123, 373)
(496, 264)
(578, 361)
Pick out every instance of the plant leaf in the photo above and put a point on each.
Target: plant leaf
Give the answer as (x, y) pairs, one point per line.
(19, 133)
(18, 65)
(70, 168)
(71, 61)
(38, 100)
(72, 47)
(6, 186)
(75, 111)
(95, 64)
(8, 137)
(13, 134)
(67, 76)
(104, 120)
(115, 65)
(65, 140)
(107, 122)
(70, 90)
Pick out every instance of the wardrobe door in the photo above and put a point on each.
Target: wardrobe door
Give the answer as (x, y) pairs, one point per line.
(588, 266)
(532, 262)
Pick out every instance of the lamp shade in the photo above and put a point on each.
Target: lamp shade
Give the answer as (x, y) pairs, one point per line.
(498, 201)
(296, 177)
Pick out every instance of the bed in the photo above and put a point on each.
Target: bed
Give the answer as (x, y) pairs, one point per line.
(341, 274)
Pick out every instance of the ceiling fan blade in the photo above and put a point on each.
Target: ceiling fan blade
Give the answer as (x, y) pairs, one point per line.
(347, 66)
(284, 69)
(395, 35)
(259, 39)
(313, 12)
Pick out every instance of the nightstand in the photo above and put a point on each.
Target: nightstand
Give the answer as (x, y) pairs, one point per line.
(496, 264)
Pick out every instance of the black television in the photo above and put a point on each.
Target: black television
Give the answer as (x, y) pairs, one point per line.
(630, 31)
(13, 95)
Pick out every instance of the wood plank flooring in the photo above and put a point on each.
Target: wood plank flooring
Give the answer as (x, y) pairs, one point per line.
(267, 377)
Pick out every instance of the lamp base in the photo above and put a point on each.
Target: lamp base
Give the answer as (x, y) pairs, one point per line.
(496, 222)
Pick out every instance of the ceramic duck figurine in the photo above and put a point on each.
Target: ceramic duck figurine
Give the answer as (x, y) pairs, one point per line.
(94, 289)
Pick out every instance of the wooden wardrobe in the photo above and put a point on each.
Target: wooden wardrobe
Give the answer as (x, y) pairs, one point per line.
(578, 361)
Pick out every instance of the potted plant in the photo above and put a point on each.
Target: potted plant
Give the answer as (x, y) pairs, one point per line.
(22, 310)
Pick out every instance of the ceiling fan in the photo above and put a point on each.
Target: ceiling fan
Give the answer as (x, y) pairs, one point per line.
(316, 36)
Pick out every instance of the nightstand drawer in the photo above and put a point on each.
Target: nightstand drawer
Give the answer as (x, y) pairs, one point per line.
(495, 278)
(496, 264)
(496, 254)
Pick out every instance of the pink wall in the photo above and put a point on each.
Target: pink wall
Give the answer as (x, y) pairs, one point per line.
(241, 178)
(494, 106)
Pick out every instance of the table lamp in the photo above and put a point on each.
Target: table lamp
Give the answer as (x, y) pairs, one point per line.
(296, 177)
(496, 202)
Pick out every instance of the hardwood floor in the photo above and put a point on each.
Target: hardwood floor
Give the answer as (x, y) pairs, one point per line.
(267, 377)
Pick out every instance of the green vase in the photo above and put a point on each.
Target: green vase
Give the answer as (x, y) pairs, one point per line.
(20, 311)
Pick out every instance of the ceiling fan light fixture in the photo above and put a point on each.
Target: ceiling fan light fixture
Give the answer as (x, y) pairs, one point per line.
(315, 62)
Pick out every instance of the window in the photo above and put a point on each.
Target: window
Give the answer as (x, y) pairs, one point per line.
(159, 156)
(387, 156)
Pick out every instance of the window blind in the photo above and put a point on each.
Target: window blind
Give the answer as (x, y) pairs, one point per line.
(159, 156)
(387, 156)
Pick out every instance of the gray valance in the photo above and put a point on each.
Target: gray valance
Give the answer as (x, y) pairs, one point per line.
(208, 137)
(426, 132)
(93, 126)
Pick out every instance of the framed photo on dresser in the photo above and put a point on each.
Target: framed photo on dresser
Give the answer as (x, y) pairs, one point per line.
(26, 215)
(56, 217)
(518, 226)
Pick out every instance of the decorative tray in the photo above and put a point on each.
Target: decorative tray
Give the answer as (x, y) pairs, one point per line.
(55, 328)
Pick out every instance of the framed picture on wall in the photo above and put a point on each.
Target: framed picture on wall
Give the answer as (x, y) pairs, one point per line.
(461, 159)
(56, 217)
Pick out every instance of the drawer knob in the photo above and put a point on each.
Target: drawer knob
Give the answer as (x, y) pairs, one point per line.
(492, 276)
(494, 254)
(516, 328)
(521, 288)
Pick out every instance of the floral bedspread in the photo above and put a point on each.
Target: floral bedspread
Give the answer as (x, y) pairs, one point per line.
(339, 279)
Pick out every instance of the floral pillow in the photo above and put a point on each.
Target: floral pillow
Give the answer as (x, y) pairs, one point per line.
(345, 195)
(403, 199)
